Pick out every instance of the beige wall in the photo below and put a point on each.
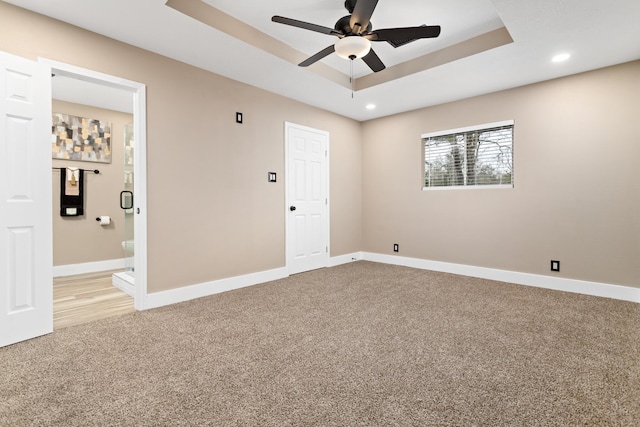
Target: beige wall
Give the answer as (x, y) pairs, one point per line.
(576, 197)
(212, 214)
(81, 239)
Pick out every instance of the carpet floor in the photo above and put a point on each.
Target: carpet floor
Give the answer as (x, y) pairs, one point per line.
(362, 344)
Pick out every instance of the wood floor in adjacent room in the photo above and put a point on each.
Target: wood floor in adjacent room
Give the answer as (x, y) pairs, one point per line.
(86, 298)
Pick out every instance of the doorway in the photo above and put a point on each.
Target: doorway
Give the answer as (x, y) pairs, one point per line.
(135, 216)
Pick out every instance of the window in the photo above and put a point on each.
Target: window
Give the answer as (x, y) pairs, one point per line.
(474, 156)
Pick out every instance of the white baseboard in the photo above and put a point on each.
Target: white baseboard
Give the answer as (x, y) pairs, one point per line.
(344, 259)
(186, 293)
(88, 267)
(625, 293)
(125, 283)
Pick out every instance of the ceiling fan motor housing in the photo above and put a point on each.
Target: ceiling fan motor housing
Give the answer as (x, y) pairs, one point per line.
(344, 26)
(350, 5)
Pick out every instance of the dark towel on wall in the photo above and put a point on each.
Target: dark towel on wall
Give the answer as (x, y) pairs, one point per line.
(71, 194)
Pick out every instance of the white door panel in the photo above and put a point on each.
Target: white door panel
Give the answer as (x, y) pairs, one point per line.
(307, 199)
(26, 284)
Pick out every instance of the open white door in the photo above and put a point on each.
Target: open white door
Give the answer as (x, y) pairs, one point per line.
(26, 283)
(307, 198)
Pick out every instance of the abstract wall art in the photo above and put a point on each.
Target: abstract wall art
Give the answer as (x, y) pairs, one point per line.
(80, 138)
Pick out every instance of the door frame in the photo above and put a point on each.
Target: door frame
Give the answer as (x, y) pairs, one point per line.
(138, 91)
(287, 175)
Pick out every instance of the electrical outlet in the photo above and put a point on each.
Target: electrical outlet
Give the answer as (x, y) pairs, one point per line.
(555, 265)
(396, 247)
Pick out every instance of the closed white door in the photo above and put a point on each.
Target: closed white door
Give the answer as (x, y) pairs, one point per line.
(26, 283)
(307, 198)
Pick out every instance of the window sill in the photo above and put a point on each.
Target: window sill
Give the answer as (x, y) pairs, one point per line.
(469, 187)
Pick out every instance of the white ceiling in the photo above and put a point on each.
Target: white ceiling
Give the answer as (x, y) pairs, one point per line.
(597, 33)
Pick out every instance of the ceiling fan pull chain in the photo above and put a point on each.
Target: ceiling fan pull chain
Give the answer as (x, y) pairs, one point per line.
(351, 78)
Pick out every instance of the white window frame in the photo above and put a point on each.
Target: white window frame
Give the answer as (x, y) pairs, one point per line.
(458, 131)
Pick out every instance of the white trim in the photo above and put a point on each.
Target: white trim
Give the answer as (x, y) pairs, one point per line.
(344, 259)
(73, 71)
(327, 167)
(186, 293)
(124, 282)
(469, 128)
(140, 200)
(625, 293)
(140, 177)
(88, 267)
(469, 187)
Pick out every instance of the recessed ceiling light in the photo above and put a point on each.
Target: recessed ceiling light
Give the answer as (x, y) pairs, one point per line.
(561, 57)
(371, 106)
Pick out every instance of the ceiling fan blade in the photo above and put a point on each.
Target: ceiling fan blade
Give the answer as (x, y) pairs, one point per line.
(362, 15)
(404, 34)
(318, 56)
(373, 61)
(305, 25)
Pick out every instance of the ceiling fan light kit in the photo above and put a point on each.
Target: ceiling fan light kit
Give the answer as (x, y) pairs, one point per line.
(356, 33)
(352, 47)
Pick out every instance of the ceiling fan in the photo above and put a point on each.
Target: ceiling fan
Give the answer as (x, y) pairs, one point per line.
(356, 34)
